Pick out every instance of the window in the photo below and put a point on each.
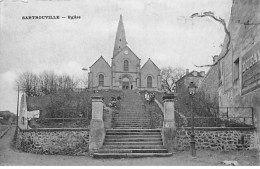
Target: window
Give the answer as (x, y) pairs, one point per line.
(101, 80)
(149, 82)
(126, 65)
(236, 69)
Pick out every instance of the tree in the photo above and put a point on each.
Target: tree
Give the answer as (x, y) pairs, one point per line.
(28, 82)
(169, 76)
(222, 21)
(45, 83)
(202, 107)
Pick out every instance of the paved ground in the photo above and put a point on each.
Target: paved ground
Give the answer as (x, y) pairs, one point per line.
(11, 156)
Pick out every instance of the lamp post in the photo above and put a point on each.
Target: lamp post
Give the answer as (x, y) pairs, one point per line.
(192, 90)
(17, 105)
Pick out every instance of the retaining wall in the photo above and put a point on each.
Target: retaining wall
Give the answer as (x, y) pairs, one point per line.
(54, 141)
(217, 138)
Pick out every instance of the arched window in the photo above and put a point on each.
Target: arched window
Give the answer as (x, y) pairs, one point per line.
(149, 82)
(126, 65)
(101, 80)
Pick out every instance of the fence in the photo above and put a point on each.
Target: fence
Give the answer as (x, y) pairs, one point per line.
(226, 117)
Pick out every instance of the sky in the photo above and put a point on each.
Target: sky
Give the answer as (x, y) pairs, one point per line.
(158, 29)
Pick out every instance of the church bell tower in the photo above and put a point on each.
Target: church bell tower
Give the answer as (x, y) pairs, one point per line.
(120, 41)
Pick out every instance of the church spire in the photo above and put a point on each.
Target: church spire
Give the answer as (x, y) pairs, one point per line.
(120, 41)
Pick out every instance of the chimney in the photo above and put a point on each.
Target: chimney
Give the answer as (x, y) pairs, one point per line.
(202, 73)
(187, 71)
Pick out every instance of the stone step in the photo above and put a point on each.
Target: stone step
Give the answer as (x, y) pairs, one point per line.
(131, 118)
(146, 130)
(132, 114)
(163, 150)
(130, 155)
(137, 120)
(131, 124)
(132, 147)
(132, 127)
(157, 136)
(133, 140)
(133, 143)
(130, 121)
(132, 133)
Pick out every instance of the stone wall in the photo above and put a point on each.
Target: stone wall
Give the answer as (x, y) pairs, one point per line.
(217, 138)
(54, 141)
(238, 73)
(210, 83)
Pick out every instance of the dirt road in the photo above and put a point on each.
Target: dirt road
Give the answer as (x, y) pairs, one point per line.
(11, 156)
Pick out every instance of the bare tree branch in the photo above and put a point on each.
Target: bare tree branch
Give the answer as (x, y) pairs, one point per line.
(222, 21)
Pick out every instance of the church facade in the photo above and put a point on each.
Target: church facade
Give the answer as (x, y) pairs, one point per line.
(125, 71)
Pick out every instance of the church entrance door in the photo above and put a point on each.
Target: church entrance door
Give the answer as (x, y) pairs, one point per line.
(125, 85)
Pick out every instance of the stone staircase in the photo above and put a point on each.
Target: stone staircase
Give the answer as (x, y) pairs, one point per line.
(132, 135)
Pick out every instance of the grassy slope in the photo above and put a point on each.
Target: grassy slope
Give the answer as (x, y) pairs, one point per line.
(72, 100)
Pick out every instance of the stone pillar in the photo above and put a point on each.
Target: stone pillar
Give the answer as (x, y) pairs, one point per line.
(168, 110)
(22, 119)
(97, 131)
(169, 128)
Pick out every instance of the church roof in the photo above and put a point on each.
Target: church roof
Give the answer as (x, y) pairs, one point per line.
(150, 60)
(126, 47)
(101, 58)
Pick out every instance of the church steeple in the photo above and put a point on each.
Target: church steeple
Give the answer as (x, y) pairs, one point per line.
(120, 41)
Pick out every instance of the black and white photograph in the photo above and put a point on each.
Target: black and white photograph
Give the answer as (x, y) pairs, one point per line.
(130, 83)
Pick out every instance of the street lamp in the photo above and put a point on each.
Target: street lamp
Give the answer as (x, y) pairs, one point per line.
(192, 90)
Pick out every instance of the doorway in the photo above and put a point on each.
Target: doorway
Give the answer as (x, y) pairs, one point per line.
(125, 85)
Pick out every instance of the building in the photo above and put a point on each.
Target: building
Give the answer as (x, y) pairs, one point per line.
(239, 78)
(210, 83)
(125, 71)
(193, 76)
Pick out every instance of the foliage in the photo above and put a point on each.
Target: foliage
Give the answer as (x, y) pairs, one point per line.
(45, 83)
(202, 105)
(169, 76)
(69, 105)
(8, 117)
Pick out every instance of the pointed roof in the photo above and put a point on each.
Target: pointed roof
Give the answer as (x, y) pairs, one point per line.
(130, 50)
(101, 58)
(150, 60)
(120, 41)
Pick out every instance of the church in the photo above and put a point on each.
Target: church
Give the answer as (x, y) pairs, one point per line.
(125, 71)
